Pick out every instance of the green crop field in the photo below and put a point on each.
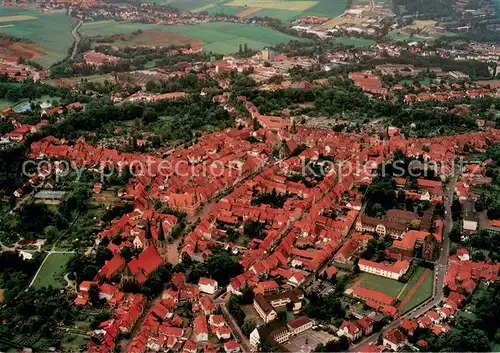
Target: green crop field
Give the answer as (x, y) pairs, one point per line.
(381, 284)
(330, 8)
(217, 37)
(52, 271)
(50, 31)
(217, 8)
(284, 10)
(283, 15)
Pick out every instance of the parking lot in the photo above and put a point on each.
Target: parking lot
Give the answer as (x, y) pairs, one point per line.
(307, 341)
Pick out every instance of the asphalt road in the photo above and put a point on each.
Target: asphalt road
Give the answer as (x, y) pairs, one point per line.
(439, 273)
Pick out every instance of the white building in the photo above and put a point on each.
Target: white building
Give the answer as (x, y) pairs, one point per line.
(208, 285)
(393, 271)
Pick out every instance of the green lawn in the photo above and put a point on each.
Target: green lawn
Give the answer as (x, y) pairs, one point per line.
(424, 292)
(381, 284)
(357, 42)
(51, 31)
(219, 37)
(52, 271)
(414, 278)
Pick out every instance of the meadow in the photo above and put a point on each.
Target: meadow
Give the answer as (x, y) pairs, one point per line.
(52, 271)
(216, 37)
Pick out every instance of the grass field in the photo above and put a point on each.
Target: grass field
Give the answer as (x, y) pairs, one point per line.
(381, 284)
(52, 271)
(423, 292)
(357, 42)
(218, 37)
(50, 31)
(414, 278)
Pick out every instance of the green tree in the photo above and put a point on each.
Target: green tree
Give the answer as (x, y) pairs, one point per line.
(94, 294)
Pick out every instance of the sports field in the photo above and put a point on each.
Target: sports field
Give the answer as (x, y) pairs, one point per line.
(381, 284)
(420, 290)
(216, 37)
(52, 271)
(49, 32)
(414, 292)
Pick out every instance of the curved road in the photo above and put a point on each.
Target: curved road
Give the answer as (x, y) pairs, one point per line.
(440, 267)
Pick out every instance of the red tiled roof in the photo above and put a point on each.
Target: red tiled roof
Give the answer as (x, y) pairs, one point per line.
(369, 294)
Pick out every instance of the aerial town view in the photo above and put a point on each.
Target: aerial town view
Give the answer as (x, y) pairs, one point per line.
(233, 176)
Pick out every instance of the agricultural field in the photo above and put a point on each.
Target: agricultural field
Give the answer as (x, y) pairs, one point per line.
(283, 15)
(52, 271)
(49, 34)
(284, 10)
(216, 37)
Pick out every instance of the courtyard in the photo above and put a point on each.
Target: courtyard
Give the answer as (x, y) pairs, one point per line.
(307, 341)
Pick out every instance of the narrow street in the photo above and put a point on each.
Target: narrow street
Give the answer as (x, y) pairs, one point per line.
(236, 329)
